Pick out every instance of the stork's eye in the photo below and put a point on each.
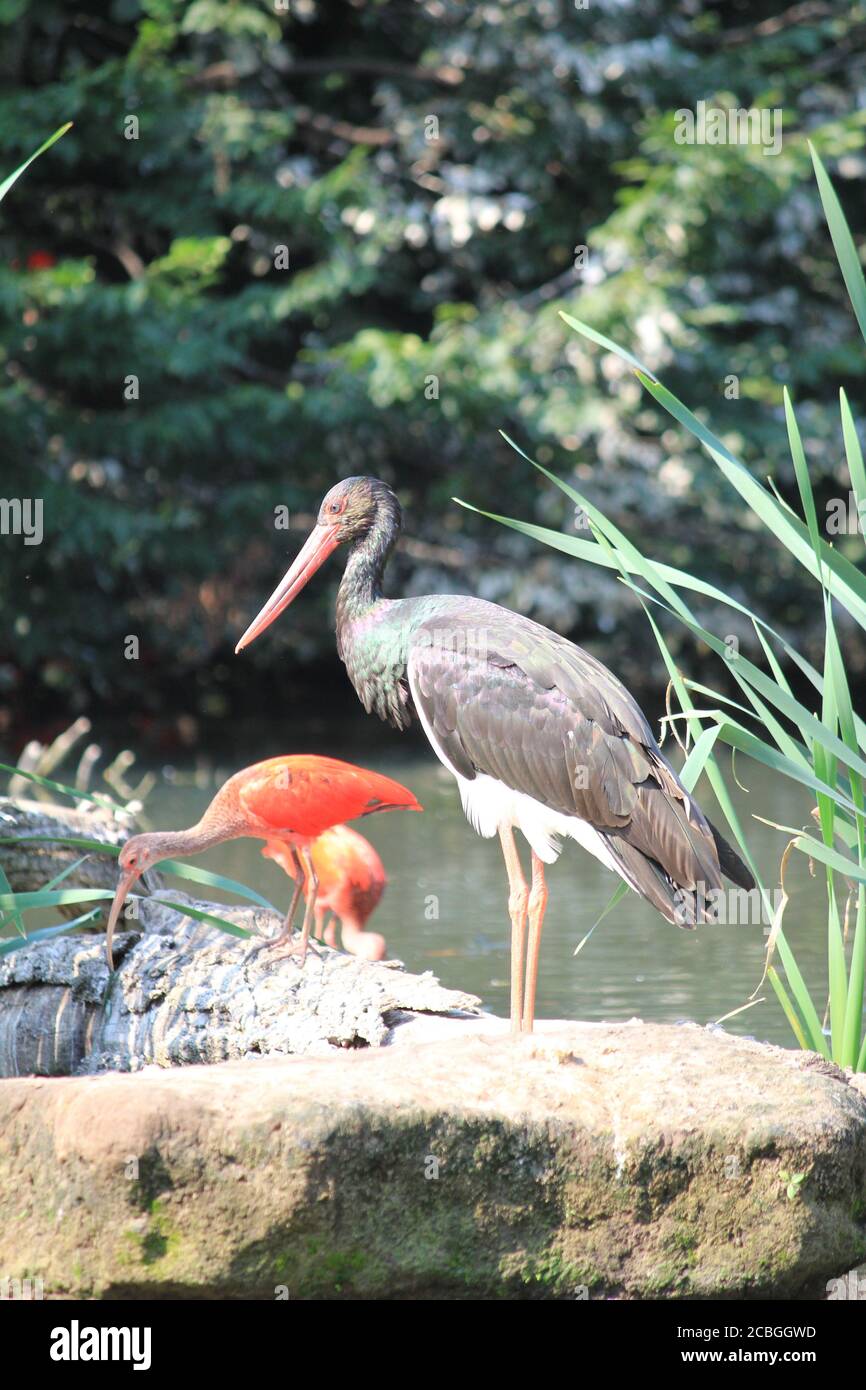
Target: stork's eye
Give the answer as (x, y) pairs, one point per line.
(335, 507)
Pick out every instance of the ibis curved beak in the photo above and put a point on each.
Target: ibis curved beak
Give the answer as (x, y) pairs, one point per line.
(120, 896)
(321, 543)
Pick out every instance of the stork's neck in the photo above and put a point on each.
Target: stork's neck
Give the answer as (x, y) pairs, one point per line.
(371, 639)
(361, 586)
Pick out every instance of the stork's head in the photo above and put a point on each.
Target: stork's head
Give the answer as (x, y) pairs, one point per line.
(353, 506)
(348, 513)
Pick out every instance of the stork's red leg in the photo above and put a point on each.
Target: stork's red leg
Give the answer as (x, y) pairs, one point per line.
(517, 901)
(535, 907)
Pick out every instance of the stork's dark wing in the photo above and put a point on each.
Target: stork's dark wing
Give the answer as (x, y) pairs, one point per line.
(509, 698)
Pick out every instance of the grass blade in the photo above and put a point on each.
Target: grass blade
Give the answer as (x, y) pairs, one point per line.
(12, 178)
(197, 875)
(70, 841)
(616, 896)
(97, 798)
(15, 943)
(694, 764)
(852, 1027)
(854, 455)
(43, 897)
(843, 242)
(231, 927)
(788, 1008)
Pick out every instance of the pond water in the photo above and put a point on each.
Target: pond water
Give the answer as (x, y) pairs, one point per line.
(445, 906)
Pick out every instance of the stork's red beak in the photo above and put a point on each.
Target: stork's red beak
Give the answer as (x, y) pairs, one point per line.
(120, 896)
(321, 543)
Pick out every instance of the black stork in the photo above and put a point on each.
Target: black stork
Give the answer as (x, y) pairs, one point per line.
(539, 735)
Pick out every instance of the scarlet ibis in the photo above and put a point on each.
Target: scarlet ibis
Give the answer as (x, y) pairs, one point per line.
(351, 882)
(539, 735)
(290, 800)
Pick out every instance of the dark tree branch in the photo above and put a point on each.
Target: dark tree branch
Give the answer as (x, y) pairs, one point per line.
(226, 74)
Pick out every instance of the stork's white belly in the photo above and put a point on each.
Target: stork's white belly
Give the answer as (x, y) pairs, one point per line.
(491, 806)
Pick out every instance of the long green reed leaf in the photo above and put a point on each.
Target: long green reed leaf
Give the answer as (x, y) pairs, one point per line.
(46, 145)
(843, 242)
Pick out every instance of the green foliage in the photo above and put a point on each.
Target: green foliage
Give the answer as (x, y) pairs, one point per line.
(793, 1182)
(412, 255)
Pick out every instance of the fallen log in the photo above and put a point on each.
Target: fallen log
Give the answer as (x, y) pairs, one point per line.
(186, 993)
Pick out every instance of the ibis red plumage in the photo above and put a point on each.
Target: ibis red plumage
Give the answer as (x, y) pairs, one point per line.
(351, 880)
(290, 801)
(539, 735)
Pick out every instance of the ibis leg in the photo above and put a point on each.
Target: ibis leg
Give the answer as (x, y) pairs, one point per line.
(285, 933)
(288, 925)
(309, 914)
(535, 908)
(517, 903)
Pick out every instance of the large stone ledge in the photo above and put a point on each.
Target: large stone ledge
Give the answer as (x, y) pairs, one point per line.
(625, 1160)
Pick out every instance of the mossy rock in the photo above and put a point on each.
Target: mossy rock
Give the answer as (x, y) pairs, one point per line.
(589, 1161)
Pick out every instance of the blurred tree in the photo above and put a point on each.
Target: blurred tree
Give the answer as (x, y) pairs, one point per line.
(287, 242)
